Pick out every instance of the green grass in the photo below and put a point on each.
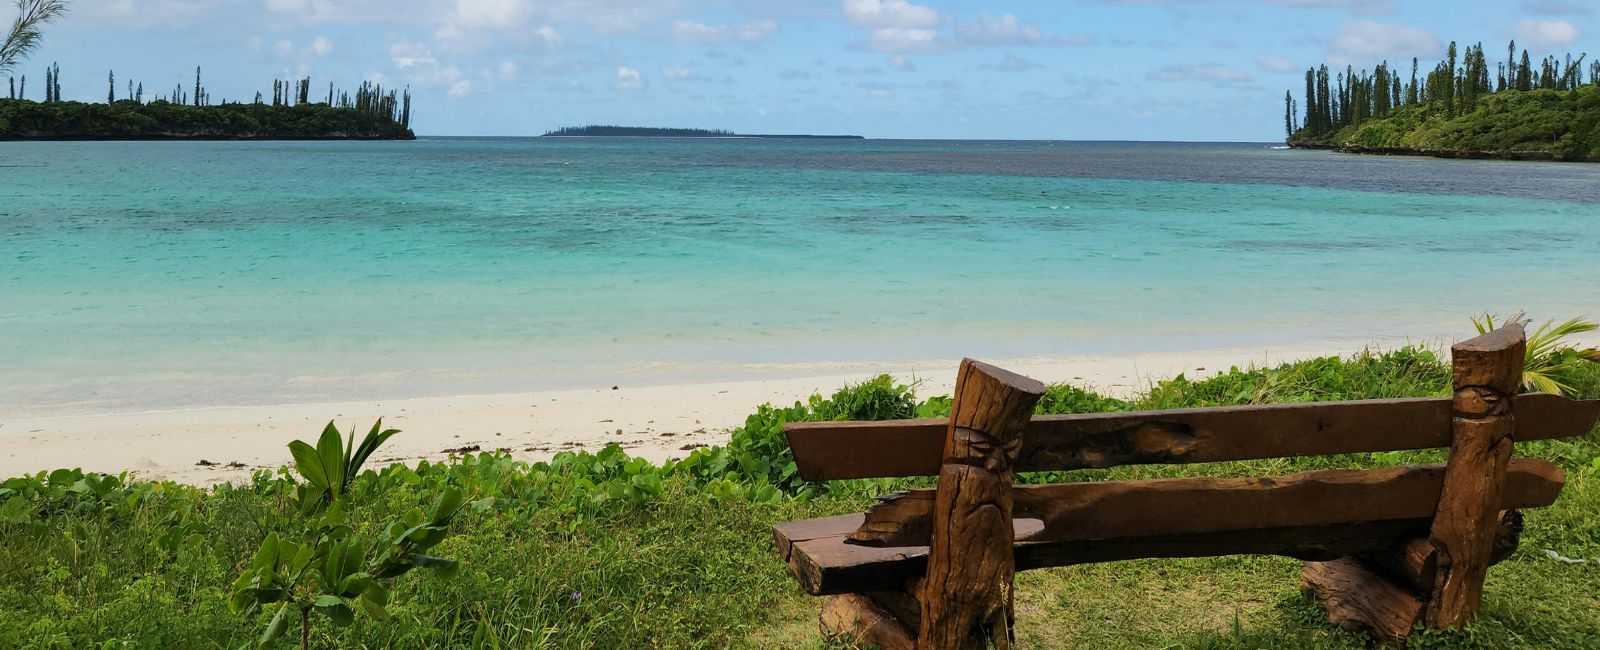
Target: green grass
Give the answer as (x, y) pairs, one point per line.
(600, 550)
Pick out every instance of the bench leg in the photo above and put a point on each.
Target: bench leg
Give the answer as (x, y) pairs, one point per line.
(1485, 374)
(863, 620)
(1357, 599)
(1385, 594)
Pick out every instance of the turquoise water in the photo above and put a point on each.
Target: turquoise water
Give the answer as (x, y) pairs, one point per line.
(170, 275)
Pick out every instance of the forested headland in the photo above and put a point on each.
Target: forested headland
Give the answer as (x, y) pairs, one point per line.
(1462, 108)
(371, 112)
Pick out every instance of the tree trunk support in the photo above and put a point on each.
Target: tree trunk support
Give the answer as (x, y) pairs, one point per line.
(966, 598)
(1486, 372)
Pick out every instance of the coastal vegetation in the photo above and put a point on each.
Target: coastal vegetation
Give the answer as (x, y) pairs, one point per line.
(370, 112)
(1463, 107)
(602, 549)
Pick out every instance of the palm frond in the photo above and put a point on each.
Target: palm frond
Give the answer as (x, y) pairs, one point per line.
(24, 36)
(1550, 358)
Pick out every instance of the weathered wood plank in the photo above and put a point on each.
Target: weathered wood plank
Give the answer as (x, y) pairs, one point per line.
(826, 451)
(829, 565)
(1485, 374)
(824, 562)
(1098, 510)
(966, 599)
(1359, 600)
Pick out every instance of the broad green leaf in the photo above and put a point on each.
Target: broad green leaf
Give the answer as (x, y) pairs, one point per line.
(446, 506)
(355, 584)
(330, 449)
(375, 601)
(280, 622)
(341, 614)
(369, 444)
(267, 556)
(307, 462)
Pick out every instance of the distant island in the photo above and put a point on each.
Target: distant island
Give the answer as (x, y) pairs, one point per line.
(654, 132)
(370, 113)
(1522, 111)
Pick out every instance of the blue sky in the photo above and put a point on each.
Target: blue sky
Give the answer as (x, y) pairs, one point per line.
(1065, 69)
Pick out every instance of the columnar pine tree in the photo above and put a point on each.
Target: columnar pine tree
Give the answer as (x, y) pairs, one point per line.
(111, 92)
(1456, 86)
(1524, 74)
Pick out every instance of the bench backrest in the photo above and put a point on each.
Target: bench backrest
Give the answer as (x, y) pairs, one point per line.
(831, 451)
(972, 523)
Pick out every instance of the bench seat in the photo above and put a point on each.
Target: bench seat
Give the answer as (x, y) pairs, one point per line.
(826, 561)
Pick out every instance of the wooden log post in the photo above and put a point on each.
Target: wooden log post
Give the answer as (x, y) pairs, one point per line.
(860, 620)
(966, 599)
(1359, 600)
(1486, 372)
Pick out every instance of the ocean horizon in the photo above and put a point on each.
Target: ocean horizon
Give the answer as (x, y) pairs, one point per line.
(168, 275)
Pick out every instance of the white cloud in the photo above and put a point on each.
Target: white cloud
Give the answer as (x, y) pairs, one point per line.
(757, 30)
(678, 73)
(506, 71)
(546, 38)
(1547, 33)
(1366, 40)
(436, 75)
(689, 32)
(1005, 30)
(420, 67)
(1204, 72)
(897, 39)
(490, 13)
(628, 79)
(901, 63)
(889, 14)
(287, 6)
(460, 88)
(406, 54)
(283, 48)
(1012, 63)
(1274, 64)
(321, 46)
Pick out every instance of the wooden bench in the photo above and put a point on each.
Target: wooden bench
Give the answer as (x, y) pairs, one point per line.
(1384, 549)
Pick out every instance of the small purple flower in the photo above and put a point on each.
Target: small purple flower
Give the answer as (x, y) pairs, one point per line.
(577, 596)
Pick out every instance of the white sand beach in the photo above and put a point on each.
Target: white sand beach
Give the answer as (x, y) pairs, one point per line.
(213, 445)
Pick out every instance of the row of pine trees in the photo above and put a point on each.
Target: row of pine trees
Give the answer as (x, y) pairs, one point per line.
(368, 98)
(1454, 85)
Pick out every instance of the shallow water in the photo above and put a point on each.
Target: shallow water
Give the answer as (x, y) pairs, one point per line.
(168, 275)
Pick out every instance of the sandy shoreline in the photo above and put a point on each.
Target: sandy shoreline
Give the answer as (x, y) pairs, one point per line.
(655, 422)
